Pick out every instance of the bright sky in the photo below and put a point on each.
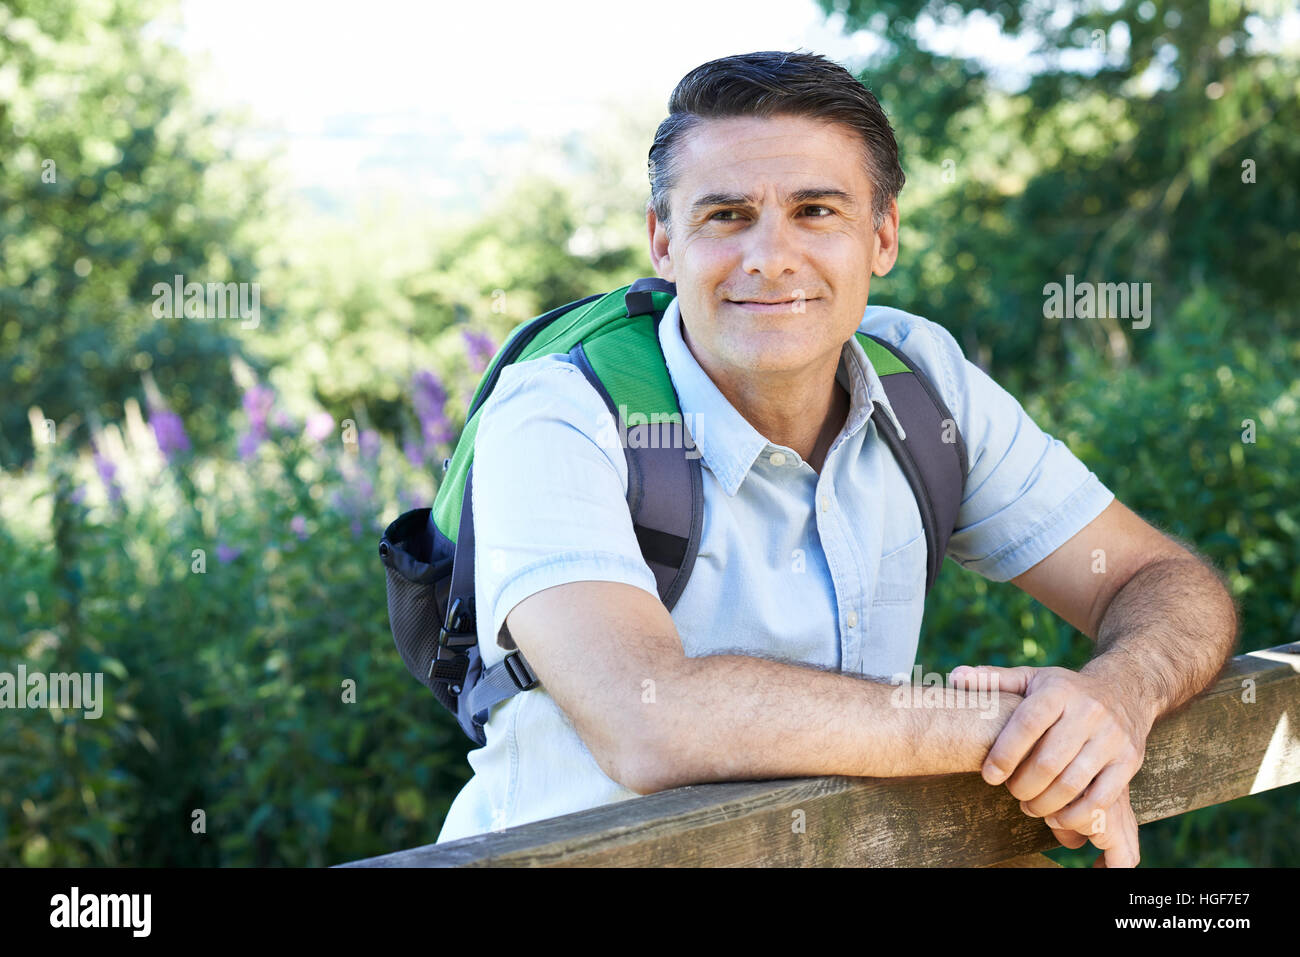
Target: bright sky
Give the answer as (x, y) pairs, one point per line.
(434, 100)
(486, 65)
(408, 95)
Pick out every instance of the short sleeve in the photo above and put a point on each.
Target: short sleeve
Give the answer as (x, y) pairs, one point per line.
(1026, 493)
(549, 493)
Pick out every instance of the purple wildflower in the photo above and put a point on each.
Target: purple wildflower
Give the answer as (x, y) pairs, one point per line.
(298, 525)
(257, 404)
(430, 399)
(107, 470)
(319, 426)
(354, 501)
(414, 454)
(480, 347)
(248, 444)
(227, 554)
(169, 432)
(368, 442)
(79, 495)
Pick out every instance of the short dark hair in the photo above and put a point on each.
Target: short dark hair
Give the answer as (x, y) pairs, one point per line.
(773, 83)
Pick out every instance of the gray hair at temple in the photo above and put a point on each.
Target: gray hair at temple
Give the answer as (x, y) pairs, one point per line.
(772, 83)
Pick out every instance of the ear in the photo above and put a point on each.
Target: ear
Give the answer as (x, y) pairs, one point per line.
(660, 254)
(886, 242)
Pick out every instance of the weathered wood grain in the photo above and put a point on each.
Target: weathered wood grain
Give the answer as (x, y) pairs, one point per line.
(1029, 860)
(1239, 737)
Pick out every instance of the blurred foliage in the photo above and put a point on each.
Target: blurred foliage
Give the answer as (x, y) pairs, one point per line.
(1168, 439)
(226, 640)
(360, 321)
(226, 681)
(1120, 160)
(111, 182)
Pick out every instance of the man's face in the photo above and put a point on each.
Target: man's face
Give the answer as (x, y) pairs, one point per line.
(804, 234)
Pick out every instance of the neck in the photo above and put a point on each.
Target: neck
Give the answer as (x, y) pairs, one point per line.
(835, 419)
(804, 412)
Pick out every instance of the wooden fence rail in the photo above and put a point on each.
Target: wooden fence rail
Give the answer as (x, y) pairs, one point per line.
(1240, 736)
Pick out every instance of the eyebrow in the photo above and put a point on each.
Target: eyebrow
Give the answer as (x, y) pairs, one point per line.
(710, 200)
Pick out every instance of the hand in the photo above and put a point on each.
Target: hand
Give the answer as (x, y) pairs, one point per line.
(1114, 832)
(1068, 752)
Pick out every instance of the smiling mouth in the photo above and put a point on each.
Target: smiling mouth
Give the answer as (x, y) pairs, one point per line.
(779, 307)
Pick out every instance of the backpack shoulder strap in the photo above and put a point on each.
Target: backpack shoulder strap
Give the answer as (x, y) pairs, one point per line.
(665, 492)
(930, 450)
(622, 361)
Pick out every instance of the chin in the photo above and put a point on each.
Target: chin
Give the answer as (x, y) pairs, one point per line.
(772, 356)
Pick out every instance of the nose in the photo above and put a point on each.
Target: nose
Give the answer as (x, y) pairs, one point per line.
(771, 246)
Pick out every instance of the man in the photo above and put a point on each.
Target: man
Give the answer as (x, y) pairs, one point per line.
(773, 185)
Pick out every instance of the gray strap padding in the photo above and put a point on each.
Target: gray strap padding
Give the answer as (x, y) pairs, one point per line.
(638, 299)
(496, 685)
(665, 494)
(462, 571)
(936, 469)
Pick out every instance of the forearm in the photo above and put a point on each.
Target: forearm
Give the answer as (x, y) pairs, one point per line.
(1165, 636)
(736, 717)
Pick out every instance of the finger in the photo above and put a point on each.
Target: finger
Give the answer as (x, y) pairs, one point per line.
(1064, 795)
(1051, 757)
(1082, 720)
(1104, 791)
(1117, 835)
(1071, 839)
(1123, 850)
(1027, 724)
(1127, 852)
(993, 677)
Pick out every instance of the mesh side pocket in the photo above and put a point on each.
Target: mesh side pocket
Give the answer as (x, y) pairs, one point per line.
(418, 560)
(415, 617)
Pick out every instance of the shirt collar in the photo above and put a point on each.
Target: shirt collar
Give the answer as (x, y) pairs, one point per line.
(726, 440)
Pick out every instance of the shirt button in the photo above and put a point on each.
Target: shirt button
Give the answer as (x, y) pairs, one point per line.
(826, 504)
(778, 458)
(852, 618)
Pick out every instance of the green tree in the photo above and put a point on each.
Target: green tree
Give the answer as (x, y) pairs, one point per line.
(112, 181)
(1145, 141)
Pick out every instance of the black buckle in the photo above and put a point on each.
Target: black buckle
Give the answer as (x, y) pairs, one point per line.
(457, 633)
(459, 630)
(519, 672)
(451, 671)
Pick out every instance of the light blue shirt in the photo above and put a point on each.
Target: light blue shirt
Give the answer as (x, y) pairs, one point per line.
(825, 569)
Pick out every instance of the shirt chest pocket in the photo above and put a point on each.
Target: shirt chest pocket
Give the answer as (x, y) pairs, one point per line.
(901, 577)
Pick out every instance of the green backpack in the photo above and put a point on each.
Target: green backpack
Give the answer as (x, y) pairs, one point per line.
(428, 553)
